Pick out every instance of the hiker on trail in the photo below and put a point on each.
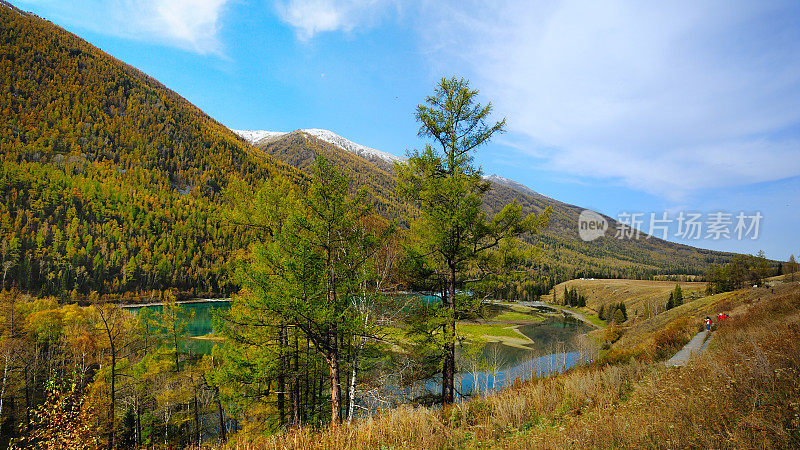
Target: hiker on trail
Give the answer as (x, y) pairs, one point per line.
(708, 323)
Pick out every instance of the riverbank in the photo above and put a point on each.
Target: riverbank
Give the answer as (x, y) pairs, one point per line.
(593, 321)
(511, 323)
(178, 302)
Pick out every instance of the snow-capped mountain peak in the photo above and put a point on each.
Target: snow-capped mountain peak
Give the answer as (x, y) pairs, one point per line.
(256, 136)
(346, 144)
(253, 136)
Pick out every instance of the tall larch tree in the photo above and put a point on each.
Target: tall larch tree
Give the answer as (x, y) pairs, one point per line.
(442, 181)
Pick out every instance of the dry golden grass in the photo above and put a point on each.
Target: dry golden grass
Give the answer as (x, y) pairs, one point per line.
(744, 392)
(474, 423)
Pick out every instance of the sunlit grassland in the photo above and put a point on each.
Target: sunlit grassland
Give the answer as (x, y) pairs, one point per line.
(514, 316)
(501, 324)
(643, 298)
(486, 330)
(587, 313)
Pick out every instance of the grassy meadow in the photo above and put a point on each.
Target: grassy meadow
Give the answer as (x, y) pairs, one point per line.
(643, 298)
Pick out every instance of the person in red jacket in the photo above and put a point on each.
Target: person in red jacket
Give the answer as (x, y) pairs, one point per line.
(708, 323)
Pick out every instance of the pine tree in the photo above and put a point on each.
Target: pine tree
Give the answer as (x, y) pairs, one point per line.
(791, 267)
(452, 227)
(677, 296)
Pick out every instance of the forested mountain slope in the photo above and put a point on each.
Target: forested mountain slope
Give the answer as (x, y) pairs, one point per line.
(109, 180)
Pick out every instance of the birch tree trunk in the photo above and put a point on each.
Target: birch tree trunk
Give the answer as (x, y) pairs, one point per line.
(352, 387)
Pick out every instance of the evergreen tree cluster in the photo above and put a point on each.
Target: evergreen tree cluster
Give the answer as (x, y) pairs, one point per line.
(311, 284)
(616, 312)
(675, 297)
(573, 298)
(740, 272)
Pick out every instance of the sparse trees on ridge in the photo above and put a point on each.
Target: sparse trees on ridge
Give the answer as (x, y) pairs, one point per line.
(573, 298)
(791, 267)
(615, 312)
(675, 297)
(741, 271)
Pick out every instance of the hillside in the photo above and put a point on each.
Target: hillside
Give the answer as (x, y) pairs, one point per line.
(643, 298)
(110, 182)
(565, 255)
(299, 149)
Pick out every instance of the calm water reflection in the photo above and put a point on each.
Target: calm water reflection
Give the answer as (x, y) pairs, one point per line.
(200, 325)
(553, 349)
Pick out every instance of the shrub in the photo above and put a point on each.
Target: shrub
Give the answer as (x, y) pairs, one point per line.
(612, 333)
(669, 340)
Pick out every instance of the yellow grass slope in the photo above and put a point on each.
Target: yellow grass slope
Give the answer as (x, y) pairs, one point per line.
(641, 297)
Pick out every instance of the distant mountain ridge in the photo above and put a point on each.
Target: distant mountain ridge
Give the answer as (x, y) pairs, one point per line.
(517, 186)
(564, 253)
(261, 137)
(254, 136)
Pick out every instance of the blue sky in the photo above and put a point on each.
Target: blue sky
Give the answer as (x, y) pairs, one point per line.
(614, 106)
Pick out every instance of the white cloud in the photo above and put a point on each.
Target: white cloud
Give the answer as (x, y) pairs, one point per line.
(675, 172)
(669, 97)
(311, 17)
(192, 25)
